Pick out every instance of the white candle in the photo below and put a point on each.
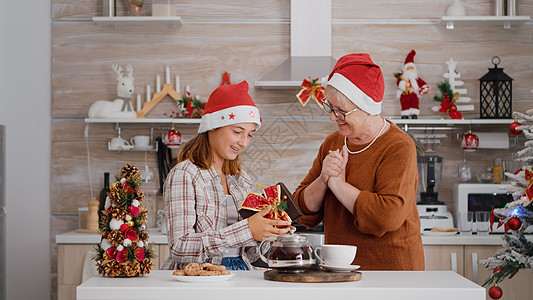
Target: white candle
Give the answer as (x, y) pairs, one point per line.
(139, 102)
(177, 83)
(167, 74)
(148, 93)
(188, 90)
(157, 84)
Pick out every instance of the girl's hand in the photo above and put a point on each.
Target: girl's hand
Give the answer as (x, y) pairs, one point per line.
(263, 228)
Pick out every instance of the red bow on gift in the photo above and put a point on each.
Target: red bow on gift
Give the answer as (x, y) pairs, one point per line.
(311, 89)
(449, 107)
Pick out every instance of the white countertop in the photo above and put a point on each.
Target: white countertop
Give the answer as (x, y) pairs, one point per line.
(397, 285)
(157, 237)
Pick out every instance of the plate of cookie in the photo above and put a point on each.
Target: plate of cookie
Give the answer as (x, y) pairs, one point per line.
(206, 272)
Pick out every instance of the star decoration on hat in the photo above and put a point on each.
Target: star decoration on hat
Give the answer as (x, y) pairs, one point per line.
(231, 116)
(251, 114)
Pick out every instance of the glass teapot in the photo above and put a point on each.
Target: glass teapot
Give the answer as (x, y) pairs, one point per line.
(288, 253)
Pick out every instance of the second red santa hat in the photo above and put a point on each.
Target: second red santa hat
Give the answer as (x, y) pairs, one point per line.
(360, 80)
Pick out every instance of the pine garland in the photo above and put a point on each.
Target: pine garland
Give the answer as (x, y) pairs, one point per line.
(517, 252)
(445, 91)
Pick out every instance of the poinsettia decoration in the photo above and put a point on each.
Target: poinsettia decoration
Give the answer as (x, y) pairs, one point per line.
(311, 88)
(448, 106)
(194, 108)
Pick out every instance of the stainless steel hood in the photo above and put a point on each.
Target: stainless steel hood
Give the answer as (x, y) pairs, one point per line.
(310, 46)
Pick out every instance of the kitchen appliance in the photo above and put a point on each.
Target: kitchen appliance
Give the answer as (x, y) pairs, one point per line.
(289, 253)
(432, 212)
(481, 197)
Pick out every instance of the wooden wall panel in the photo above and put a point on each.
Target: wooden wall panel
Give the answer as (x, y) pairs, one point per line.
(82, 55)
(189, 10)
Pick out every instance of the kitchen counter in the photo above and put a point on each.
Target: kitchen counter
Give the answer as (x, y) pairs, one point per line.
(157, 237)
(436, 285)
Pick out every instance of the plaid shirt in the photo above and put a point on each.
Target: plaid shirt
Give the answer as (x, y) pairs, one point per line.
(195, 210)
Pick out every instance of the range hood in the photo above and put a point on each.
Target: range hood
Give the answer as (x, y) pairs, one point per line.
(310, 46)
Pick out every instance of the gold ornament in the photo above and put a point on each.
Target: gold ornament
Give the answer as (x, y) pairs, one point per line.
(130, 223)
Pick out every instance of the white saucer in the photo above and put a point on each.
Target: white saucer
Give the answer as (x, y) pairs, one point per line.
(348, 268)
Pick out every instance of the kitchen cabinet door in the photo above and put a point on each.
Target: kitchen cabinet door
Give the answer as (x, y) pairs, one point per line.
(164, 252)
(444, 258)
(520, 287)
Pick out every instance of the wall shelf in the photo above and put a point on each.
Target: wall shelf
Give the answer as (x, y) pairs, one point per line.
(505, 21)
(446, 124)
(170, 21)
(145, 121)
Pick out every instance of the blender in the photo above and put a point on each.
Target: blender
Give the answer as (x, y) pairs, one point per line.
(432, 212)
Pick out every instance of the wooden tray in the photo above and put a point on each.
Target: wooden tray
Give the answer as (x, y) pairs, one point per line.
(312, 276)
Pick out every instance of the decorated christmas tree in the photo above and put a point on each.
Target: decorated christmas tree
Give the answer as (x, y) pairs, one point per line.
(124, 250)
(517, 215)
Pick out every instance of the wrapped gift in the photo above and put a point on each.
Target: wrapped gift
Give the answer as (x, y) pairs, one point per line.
(278, 197)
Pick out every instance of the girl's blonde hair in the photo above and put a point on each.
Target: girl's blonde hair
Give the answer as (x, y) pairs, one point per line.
(199, 153)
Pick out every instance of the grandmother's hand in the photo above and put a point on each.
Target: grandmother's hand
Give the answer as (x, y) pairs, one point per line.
(331, 166)
(262, 228)
(341, 176)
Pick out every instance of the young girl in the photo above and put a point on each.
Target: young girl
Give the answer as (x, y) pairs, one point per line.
(204, 190)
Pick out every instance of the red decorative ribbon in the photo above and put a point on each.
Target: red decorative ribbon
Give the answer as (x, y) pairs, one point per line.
(449, 107)
(529, 188)
(311, 89)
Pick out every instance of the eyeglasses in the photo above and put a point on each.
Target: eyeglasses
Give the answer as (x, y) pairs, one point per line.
(339, 114)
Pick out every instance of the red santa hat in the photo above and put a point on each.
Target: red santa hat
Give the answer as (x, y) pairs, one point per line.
(228, 105)
(409, 60)
(360, 80)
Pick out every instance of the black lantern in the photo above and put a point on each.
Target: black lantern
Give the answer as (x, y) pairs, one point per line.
(496, 93)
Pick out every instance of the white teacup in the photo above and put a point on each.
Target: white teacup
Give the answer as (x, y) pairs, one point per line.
(336, 255)
(117, 143)
(140, 141)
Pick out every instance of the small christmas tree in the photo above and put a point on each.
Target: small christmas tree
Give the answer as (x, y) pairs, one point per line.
(124, 249)
(517, 215)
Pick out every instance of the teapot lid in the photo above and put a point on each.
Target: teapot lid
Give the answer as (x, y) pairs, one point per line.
(292, 239)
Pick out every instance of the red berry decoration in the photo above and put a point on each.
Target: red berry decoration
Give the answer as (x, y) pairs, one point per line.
(495, 292)
(514, 223)
(513, 130)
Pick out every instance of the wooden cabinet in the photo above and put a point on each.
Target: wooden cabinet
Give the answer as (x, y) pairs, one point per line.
(463, 260)
(70, 260)
(444, 258)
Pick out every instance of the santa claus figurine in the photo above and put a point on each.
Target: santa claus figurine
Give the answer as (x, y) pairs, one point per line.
(409, 87)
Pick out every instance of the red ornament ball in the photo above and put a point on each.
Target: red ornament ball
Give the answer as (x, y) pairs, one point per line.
(513, 130)
(495, 292)
(514, 223)
(470, 142)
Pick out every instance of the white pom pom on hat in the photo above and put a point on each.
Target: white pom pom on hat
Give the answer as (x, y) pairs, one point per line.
(228, 105)
(360, 80)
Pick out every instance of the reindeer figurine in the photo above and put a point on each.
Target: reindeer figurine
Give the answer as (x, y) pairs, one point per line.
(120, 107)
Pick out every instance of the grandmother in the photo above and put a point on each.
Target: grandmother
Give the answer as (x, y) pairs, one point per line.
(362, 184)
